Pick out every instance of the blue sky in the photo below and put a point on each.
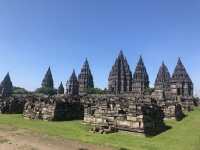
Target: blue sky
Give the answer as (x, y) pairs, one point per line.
(35, 34)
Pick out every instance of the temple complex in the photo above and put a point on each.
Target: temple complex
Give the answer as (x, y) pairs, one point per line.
(140, 78)
(85, 78)
(120, 77)
(128, 104)
(72, 86)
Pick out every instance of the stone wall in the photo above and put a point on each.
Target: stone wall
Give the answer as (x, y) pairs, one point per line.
(12, 104)
(123, 112)
(53, 108)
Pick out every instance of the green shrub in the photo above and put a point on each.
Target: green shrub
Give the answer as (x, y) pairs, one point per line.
(19, 90)
(95, 91)
(46, 91)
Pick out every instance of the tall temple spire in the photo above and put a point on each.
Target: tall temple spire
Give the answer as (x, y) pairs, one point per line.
(47, 82)
(85, 78)
(181, 83)
(162, 81)
(140, 77)
(61, 89)
(6, 86)
(72, 86)
(180, 73)
(140, 62)
(120, 77)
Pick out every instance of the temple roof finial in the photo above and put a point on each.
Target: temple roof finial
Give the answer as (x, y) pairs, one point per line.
(121, 53)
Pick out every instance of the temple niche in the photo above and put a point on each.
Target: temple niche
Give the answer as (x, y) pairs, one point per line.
(181, 83)
(140, 78)
(120, 77)
(85, 78)
(162, 82)
(72, 86)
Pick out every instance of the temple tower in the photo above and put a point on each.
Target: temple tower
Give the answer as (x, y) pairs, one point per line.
(162, 83)
(47, 82)
(120, 77)
(85, 78)
(6, 86)
(72, 86)
(140, 78)
(181, 83)
(61, 89)
(163, 79)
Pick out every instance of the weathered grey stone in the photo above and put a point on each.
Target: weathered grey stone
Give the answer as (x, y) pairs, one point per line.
(140, 78)
(85, 78)
(72, 86)
(61, 89)
(53, 108)
(47, 82)
(6, 87)
(122, 112)
(12, 104)
(181, 84)
(120, 77)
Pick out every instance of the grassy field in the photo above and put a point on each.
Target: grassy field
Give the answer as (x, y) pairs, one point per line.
(184, 135)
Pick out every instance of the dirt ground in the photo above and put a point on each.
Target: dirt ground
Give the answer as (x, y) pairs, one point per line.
(18, 139)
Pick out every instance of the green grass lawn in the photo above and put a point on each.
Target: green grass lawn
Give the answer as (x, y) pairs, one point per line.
(184, 135)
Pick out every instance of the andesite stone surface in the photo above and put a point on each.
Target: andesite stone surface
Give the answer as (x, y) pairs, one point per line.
(120, 77)
(6, 86)
(72, 86)
(140, 78)
(85, 78)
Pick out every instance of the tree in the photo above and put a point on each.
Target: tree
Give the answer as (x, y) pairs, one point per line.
(46, 91)
(95, 91)
(19, 90)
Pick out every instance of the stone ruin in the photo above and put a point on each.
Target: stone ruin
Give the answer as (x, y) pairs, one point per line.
(12, 104)
(128, 106)
(53, 108)
(108, 113)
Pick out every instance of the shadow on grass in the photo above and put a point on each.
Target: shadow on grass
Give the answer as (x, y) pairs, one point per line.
(151, 133)
(122, 148)
(181, 118)
(82, 149)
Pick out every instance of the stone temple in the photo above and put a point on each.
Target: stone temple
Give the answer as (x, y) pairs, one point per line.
(162, 82)
(72, 87)
(47, 82)
(163, 79)
(6, 86)
(140, 78)
(85, 78)
(181, 84)
(120, 77)
(61, 89)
